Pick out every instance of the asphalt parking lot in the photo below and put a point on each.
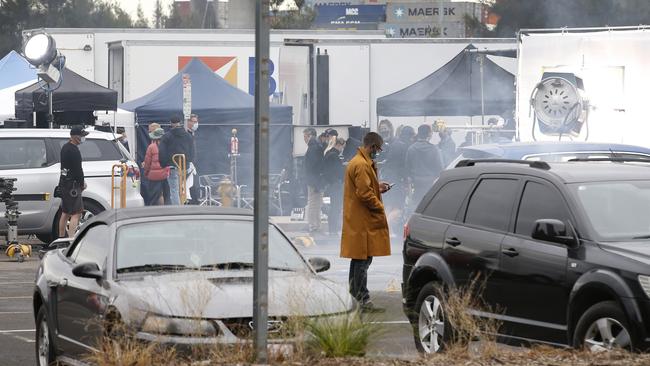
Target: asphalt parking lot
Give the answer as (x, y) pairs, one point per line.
(395, 340)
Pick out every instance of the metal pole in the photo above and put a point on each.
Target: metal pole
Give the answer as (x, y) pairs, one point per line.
(480, 60)
(50, 115)
(261, 218)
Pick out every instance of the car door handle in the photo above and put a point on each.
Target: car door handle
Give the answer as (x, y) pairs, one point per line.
(454, 242)
(512, 252)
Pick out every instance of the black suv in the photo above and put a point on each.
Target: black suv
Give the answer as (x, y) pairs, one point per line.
(564, 249)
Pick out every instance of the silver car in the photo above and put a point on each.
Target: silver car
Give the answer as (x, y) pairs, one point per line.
(175, 275)
(33, 157)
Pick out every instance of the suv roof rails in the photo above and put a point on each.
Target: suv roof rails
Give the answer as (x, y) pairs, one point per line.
(614, 159)
(531, 163)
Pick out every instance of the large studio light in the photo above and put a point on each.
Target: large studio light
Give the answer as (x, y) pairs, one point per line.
(40, 50)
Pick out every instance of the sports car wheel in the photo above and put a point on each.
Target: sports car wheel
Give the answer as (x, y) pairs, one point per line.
(44, 347)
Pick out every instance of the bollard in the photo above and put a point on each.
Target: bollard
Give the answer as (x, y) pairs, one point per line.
(181, 167)
(122, 173)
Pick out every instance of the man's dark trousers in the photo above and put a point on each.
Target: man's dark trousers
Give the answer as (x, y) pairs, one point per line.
(359, 279)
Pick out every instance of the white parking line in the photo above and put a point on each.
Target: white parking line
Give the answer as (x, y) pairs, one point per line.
(16, 283)
(15, 297)
(17, 331)
(14, 312)
(24, 339)
(392, 322)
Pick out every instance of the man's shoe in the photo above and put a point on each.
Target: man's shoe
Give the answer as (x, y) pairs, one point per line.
(370, 307)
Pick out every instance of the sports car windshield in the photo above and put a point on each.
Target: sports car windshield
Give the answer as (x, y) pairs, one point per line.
(198, 245)
(617, 210)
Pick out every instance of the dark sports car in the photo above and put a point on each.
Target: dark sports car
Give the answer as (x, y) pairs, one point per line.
(175, 275)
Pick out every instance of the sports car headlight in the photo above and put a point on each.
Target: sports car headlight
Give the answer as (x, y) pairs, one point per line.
(644, 281)
(179, 326)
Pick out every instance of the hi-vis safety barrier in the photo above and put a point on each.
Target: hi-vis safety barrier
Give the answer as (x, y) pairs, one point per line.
(181, 167)
(119, 170)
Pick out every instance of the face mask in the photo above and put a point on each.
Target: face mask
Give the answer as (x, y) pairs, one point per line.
(195, 127)
(82, 139)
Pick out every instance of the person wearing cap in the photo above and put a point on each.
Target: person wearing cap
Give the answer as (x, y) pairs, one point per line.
(71, 182)
(155, 173)
(175, 141)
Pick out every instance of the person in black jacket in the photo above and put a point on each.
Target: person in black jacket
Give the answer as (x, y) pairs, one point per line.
(71, 182)
(312, 172)
(423, 163)
(394, 171)
(175, 141)
(333, 171)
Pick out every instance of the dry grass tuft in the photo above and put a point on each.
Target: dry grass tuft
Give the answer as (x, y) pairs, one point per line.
(467, 328)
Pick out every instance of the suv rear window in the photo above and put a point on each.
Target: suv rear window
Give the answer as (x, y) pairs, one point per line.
(95, 150)
(446, 203)
(22, 154)
(491, 203)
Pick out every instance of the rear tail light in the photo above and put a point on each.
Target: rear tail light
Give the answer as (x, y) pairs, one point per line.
(407, 231)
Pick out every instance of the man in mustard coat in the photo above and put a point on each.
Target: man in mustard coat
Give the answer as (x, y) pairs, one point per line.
(365, 229)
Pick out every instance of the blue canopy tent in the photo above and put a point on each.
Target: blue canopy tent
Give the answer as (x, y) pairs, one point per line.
(15, 70)
(220, 107)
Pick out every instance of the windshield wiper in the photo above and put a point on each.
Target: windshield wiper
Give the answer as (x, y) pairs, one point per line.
(155, 268)
(642, 237)
(239, 265)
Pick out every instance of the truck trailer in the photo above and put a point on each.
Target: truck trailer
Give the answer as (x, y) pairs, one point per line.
(331, 77)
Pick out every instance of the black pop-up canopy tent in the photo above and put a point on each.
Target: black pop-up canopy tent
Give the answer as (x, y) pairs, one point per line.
(469, 85)
(73, 101)
(220, 107)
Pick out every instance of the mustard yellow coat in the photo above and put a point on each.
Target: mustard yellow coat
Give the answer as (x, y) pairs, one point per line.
(365, 229)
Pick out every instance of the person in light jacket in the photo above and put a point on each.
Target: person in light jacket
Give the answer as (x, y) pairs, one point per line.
(156, 174)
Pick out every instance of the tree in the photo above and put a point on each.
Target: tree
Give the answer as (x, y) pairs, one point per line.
(293, 19)
(141, 21)
(520, 14)
(159, 17)
(275, 5)
(19, 15)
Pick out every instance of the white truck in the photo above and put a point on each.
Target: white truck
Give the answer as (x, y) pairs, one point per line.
(363, 65)
(584, 85)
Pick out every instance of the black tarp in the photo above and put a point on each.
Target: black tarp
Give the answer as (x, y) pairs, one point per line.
(220, 107)
(455, 90)
(75, 95)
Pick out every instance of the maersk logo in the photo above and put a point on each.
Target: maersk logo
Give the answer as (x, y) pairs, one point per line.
(399, 12)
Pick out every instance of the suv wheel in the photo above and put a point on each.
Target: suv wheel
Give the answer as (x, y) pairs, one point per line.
(431, 331)
(44, 346)
(603, 327)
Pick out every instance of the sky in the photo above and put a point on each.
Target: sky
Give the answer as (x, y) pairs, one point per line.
(131, 6)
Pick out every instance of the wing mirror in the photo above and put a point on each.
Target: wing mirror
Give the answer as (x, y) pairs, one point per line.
(554, 231)
(87, 270)
(319, 264)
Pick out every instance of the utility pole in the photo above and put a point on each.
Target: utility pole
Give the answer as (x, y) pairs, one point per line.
(261, 213)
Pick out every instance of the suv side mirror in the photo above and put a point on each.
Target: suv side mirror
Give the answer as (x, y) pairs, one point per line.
(87, 270)
(319, 264)
(554, 231)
